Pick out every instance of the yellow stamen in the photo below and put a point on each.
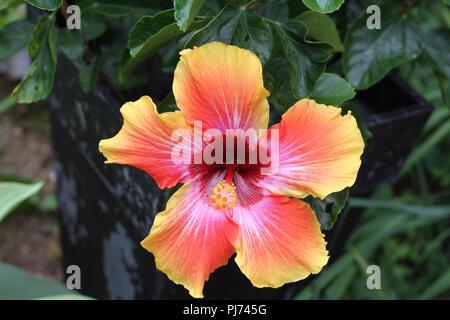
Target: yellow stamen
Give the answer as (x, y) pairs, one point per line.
(224, 196)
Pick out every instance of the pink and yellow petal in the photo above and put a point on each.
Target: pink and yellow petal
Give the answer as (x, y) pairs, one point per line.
(279, 241)
(144, 141)
(190, 239)
(319, 151)
(222, 86)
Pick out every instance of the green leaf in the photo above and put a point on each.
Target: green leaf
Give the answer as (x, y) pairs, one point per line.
(119, 8)
(18, 284)
(433, 246)
(370, 54)
(6, 104)
(168, 104)
(147, 36)
(93, 25)
(14, 36)
(431, 212)
(275, 9)
(444, 86)
(436, 118)
(38, 82)
(9, 4)
(339, 286)
(13, 193)
(306, 59)
(331, 89)
(237, 26)
(295, 66)
(438, 49)
(67, 296)
(327, 275)
(323, 6)
(438, 287)
(88, 75)
(71, 43)
(50, 5)
(322, 28)
(423, 150)
(277, 79)
(328, 209)
(112, 8)
(151, 31)
(186, 11)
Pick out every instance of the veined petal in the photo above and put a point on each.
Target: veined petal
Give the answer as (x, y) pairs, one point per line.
(319, 151)
(144, 141)
(190, 239)
(279, 241)
(222, 86)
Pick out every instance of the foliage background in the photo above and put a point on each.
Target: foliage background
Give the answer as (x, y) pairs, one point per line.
(309, 48)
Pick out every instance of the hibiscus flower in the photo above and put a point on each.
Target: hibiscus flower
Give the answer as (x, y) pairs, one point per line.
(224, 209)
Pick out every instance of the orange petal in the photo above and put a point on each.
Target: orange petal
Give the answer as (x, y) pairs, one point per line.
(222, 86)
(279, 241)
(145, 142)
(190, 239)
(319, 151)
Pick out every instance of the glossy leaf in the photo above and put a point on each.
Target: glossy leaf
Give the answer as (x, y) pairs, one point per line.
(322, 28)
(277, 10)
(277, 81)
(306, 59)
(293, 78)
(13, 193)
(371, 54)
(240, 27)
(50, 5)
(332, 89)
(327, 210)
(151, 31)
(38, 82)
(148, 35)
(14, 36)
(323, 6)
(186, 11)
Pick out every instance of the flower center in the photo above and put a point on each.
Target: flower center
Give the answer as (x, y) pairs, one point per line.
(223, 195)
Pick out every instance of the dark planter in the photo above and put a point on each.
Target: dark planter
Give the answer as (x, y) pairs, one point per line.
(107, 210)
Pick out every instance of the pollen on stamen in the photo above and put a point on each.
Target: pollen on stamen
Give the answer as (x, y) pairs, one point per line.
(223, 196)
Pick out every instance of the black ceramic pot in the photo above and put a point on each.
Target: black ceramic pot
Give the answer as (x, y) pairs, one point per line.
(105, 211)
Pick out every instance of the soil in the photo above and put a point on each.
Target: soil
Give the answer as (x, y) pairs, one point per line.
(31, 241)
(29, 237)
